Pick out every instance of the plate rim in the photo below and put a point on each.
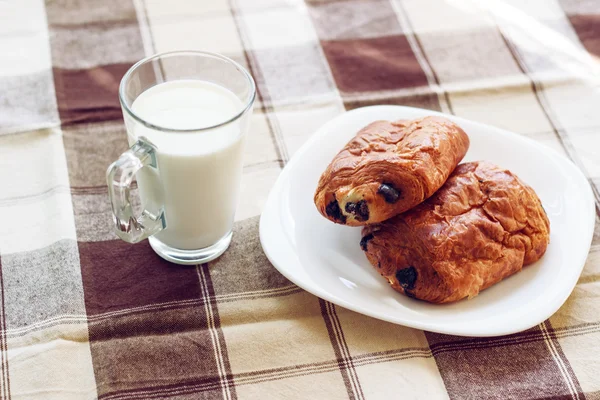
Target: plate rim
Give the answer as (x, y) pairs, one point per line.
(271, 206)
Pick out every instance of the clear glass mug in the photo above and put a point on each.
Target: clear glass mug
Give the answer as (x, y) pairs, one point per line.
(187, 115)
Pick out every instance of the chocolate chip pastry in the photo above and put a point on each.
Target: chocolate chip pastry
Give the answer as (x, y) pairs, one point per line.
(482, 226)
(388, 168)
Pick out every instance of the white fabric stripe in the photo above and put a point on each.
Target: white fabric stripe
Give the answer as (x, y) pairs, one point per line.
(214, 334)
(559, 362)
(5, 390)
(4, 349)
(33, 198)
(232, 296)
(514, 341)
(338, 342)
(283, 289)
(333, 365)
(345, 351)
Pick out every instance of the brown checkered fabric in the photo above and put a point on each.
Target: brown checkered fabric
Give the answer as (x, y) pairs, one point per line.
(85, 315)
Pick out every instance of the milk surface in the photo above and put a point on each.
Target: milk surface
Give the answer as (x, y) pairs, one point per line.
(199, 172)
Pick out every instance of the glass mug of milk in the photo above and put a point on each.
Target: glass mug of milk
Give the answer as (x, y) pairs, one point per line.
(186, 115)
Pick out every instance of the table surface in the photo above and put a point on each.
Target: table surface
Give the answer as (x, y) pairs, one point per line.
(85, 315)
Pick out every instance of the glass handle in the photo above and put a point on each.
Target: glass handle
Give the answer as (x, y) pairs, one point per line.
(119, 177)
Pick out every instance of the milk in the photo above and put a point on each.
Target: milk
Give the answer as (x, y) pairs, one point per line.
(198, 176)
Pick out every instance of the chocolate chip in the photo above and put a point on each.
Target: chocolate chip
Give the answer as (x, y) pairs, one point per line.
(333, 210)
(389, 192)
(365, 240)
(409, 294)
(360, 210)
(351, 208)
(407, 277)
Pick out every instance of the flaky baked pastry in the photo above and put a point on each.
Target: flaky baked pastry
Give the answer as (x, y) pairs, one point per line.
(388, 168)
(482, 226)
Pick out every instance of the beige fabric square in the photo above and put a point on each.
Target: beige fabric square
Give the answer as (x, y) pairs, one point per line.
(582, 307)
(327, 385)
(514, 109)
(36, 208)
(257, 182)
(179, 8)
(197, 25)
(34, 223)
(257, 5)
(575, 105)
(297, 125)
(448, 16)
(583, 353)
(260, 144)
(412, 378)
(291, 332)
(264, 27)
(369, 335)
(383, 353)
(587, 145)
(539, 9)
(34, 163)
(24, 38)
(591, 271)
(549, 139)
(52, 363)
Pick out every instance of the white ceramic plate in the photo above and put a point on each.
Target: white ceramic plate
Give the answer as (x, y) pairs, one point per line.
(326, 260)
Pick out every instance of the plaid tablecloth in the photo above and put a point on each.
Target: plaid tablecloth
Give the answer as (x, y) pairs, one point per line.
(85, 315)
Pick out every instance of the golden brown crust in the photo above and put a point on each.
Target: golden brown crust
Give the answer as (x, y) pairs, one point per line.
(388, 168)
(482, 226)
